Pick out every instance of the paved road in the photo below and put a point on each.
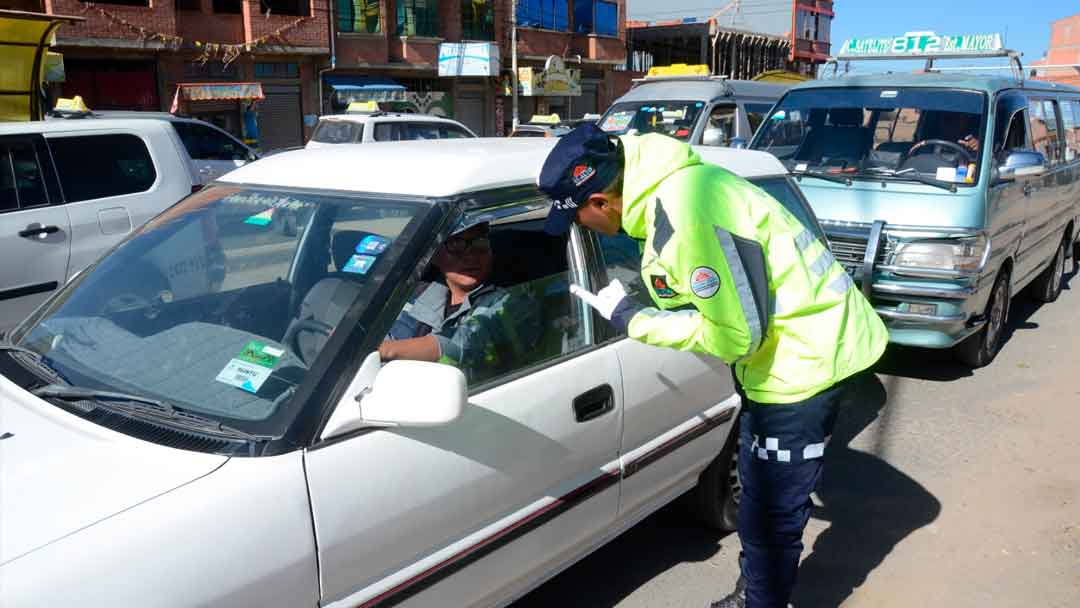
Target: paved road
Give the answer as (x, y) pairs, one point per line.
(942, 487)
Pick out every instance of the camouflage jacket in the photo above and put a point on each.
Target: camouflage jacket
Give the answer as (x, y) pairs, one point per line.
(486, 336)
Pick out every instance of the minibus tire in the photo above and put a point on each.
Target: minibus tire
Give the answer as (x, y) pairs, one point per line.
(980, 349)
(1047, 286)
(715, 500)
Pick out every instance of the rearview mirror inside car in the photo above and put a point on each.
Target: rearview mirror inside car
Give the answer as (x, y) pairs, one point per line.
(399, 393)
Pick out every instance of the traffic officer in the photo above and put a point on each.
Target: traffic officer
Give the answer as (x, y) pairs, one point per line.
(733, 274)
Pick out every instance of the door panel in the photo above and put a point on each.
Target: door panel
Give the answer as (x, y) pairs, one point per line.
(451, 515)
(35, 238)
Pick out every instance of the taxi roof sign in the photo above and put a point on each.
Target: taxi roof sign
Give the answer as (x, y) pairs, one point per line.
(678, 69)
(545, 119)
(362, 107)
(923, 44)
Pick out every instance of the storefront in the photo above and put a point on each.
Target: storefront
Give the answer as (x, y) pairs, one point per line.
(552, 89)
(235, 107)
(112, 84)
(470, 68)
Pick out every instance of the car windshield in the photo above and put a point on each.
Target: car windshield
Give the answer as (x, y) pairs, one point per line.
(674, 118)
(221, 305)
(922, 134)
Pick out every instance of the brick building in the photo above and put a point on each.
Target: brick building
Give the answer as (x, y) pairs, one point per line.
(133, 54)
(1064, 51)
(388, 50)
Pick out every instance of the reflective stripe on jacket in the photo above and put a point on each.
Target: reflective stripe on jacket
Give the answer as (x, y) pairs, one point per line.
(734, 274)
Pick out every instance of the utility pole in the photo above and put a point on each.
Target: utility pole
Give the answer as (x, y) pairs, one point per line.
(513, 65)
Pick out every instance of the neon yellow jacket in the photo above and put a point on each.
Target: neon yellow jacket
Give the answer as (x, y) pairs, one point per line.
(734, 274)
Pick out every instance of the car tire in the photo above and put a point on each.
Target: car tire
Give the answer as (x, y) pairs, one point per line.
(715, 500)
(980, 349)
(1047, 286)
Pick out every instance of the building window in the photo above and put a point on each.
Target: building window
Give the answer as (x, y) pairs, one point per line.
(544, 14)
(188, 5)
(477, 20)
(359, 16)
(299, 8)
(417, 18)
(596, 17)
(277, 70)
(229, 7)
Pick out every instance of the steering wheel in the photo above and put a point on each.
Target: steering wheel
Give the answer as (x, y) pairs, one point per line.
(311, 325)
(939, 143)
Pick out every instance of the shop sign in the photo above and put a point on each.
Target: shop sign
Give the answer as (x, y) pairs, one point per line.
(468, 59)
(555, 80)
(914, 44)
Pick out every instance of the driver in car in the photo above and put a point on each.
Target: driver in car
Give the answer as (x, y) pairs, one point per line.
(465, 320)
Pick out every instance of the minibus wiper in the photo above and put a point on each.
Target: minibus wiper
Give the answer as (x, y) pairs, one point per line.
(33, 358)
(829, 177)
(912, 175)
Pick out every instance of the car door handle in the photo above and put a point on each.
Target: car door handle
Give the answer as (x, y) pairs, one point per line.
(594, 403)
(38, 231)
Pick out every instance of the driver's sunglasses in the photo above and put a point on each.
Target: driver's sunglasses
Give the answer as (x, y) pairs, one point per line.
(459, 245)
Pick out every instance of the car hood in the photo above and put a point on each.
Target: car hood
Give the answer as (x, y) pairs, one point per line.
(59, 473)
(908, 204)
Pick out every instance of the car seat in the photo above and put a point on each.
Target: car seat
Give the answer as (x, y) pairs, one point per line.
(326, 302)
(843, 141)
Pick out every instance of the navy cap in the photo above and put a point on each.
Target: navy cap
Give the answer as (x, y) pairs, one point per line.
(583, 162)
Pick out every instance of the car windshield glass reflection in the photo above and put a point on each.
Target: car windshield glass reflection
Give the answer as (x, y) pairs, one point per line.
(673, 118)
(928, 135)
(221, 305)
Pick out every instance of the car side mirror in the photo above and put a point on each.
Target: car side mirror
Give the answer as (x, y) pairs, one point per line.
(1021, 163)
(399, 393)
(713, 136)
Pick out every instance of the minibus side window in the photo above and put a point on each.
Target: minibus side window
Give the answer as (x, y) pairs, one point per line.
(1044, 130)
(1013, 137)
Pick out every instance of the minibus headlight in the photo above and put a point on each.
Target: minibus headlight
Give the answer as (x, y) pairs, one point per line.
(962, 255)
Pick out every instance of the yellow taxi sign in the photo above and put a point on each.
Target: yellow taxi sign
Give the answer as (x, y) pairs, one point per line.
(545, 119)
(363, 107)
(678, 69)
(74, 104)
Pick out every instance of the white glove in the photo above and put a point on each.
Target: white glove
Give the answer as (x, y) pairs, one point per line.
(605, 301)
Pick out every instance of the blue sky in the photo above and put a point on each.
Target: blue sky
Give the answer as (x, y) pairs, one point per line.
(1025, 23)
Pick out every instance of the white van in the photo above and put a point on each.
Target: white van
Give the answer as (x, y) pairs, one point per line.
(70, 190)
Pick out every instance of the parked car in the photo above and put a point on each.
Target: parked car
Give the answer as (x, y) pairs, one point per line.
(211, 151)
(943, 194)
(696, 109)
(236, 423)
(380, 126)
(70, 190)
(550, 125)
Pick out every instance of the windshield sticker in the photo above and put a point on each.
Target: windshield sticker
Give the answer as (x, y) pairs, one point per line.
(779, 115)
(262, 218)
(889, 94)
(698, 104)
(617, 122)
(260, 354)
(244, 376)
(801, 167)
(359, 264)
(372, 245)
(946, 174)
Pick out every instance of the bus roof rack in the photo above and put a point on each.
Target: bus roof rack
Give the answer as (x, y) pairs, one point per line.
(928, 46)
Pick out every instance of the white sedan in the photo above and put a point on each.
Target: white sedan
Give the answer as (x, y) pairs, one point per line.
(202, 418)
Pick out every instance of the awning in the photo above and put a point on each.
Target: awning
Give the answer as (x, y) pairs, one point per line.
(220, 91)
(348, 89)
(24, 41)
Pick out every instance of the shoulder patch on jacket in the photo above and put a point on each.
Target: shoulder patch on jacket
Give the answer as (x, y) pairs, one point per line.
(660, 286)
(704, 282)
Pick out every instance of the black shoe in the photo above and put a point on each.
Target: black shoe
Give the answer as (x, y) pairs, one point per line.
(736, 599)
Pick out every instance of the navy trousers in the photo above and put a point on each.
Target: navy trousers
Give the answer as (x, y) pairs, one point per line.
(780, 463)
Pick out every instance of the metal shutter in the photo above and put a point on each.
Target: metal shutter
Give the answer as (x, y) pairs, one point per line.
(280, 119)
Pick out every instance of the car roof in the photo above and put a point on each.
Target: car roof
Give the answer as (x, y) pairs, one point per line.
(701, 89)
(77, 124)
(449, 166)
(989, 83)
(400, 116)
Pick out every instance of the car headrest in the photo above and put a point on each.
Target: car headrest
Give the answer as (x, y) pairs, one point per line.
(343, 246)
(846, 117)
